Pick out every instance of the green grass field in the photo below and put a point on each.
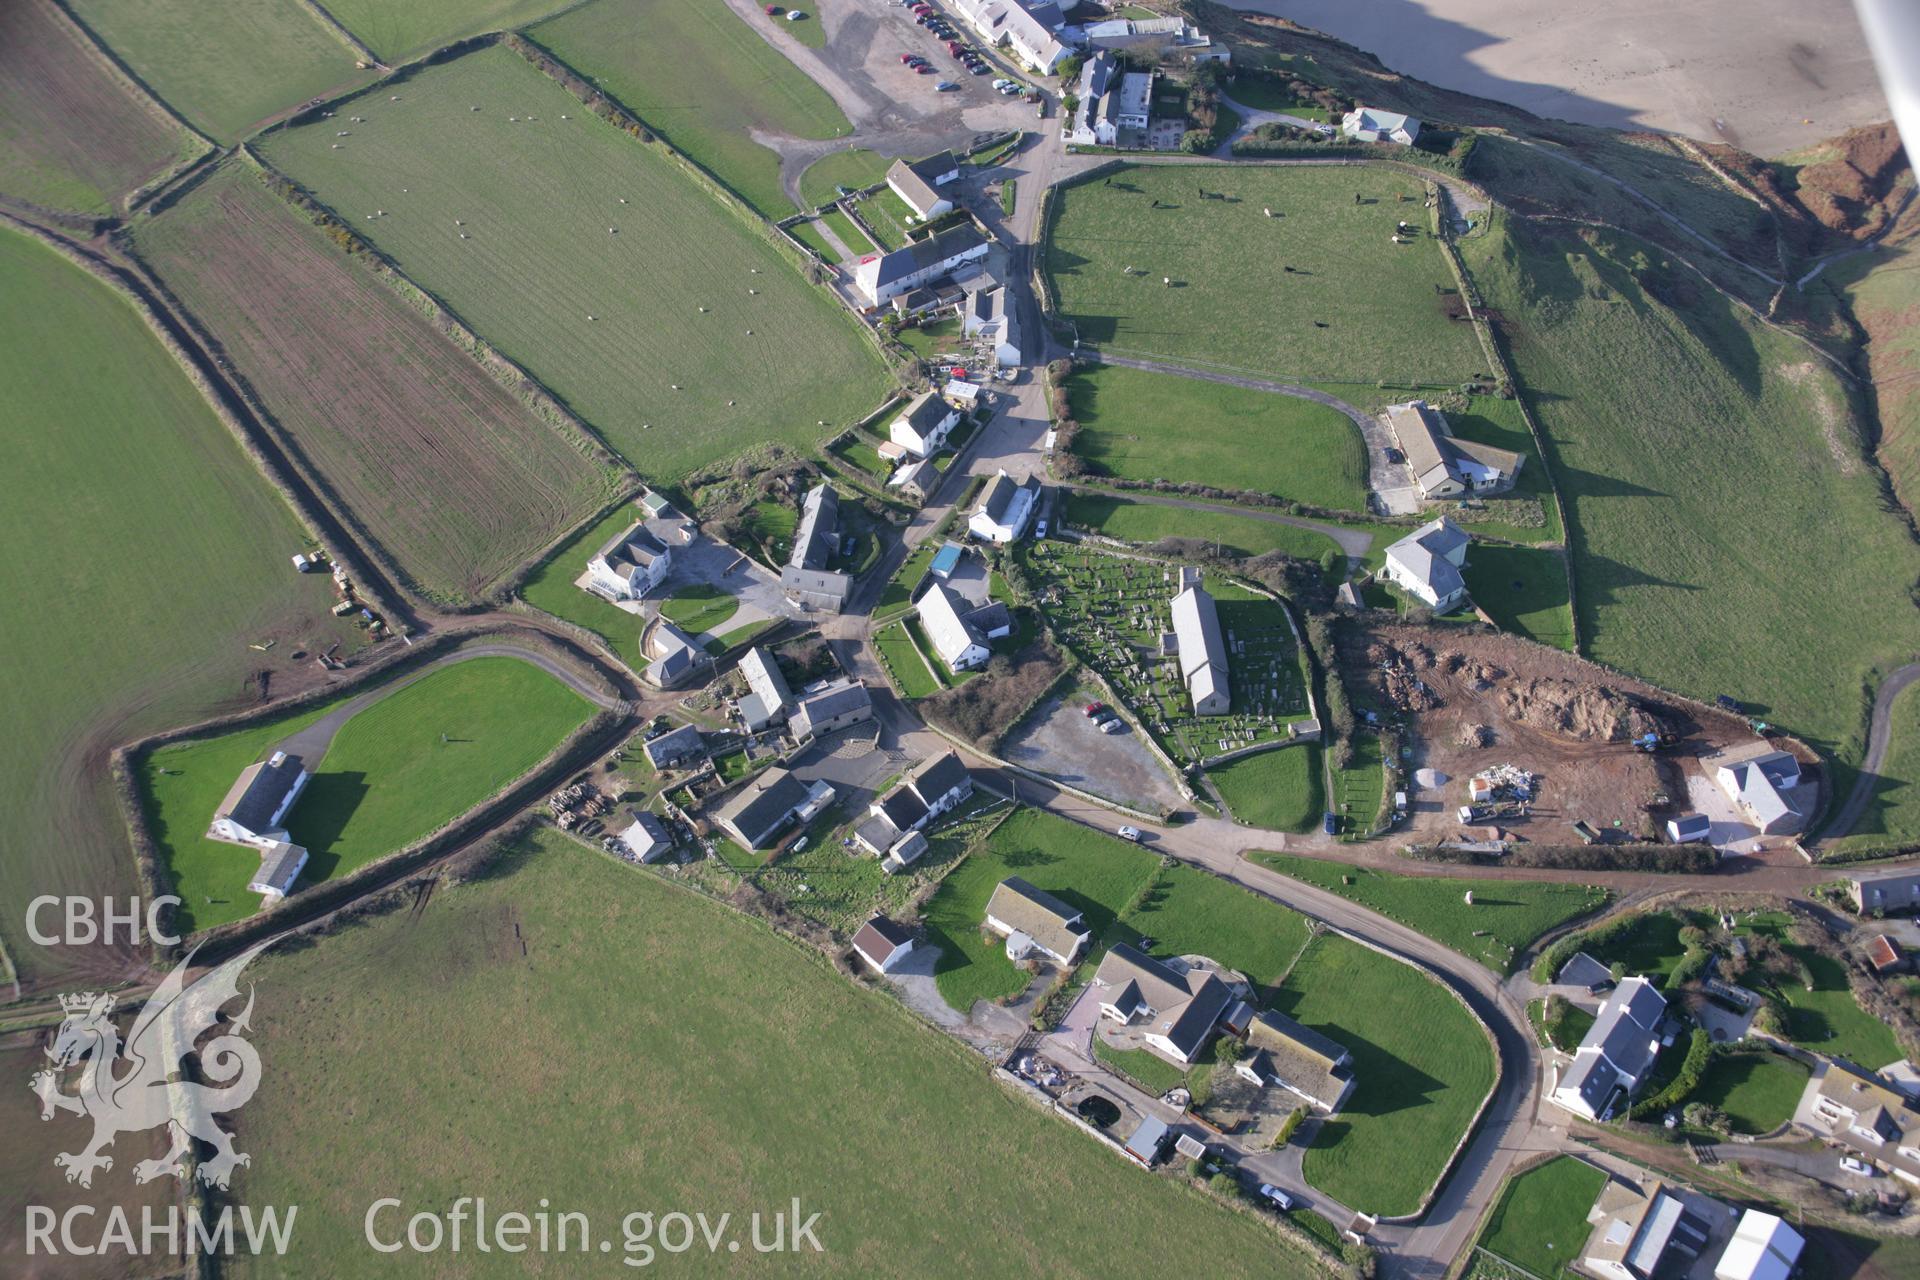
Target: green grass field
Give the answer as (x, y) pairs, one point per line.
(1758, 1091)
(1422, 1066)
(1540, 1222)
(1147, 426)
(699, 607)
(550, 587)
(1359, 790)
(1098, 873)
(399, 768)
(855, 169)
(903, 659)
(1192, 912)
(1143, 522)
(1523, 589)
(1280, 790)
(1355, 307)
(1668, 540)
(702, 77)
(536, 197)
(225, 65)
(790, 1093)
(1512, 913)
(398, 30)
(1892, 816)
(1647, 944)
(108, 446)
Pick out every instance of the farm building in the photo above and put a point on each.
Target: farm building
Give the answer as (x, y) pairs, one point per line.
(1635, 1230)
(921, 428)
(1763, 1248)
(763, 807)
(1765, 785)
(280, 866)
(921, 192)
(806, 579)
(1032, 920)
(1617, 1052)
(1006, 507)
(1863, 1115)
(1443, 465)
(1880, 891)
(1177, 1009)
(837, 705)
(929, 298)
(1299, 1059)
(1025, 27)
(769, 698)
(1370, 124)
(1426, 564)
(256, 805)
(629, 565)
(883, 943)
(960, 644)
(673, 659)
(1202, 651)
(1689, 828)
(885, 276)
(675, 747)
(1168, 37)
(990, 315)
(646, 837)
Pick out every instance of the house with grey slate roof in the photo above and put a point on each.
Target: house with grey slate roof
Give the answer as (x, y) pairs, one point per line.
(1427, 563)
(1617, 1053)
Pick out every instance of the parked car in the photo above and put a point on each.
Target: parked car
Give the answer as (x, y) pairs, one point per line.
(1330, 824)
(1275, 1196)
(978, 69)
(773, 11)
(1394, 455)
(924, 68)
(1129, 833)
(907, 58)
(1095, 708)
(1856, 1166)
(1001, 82)
(946, 86)
(1113, 724)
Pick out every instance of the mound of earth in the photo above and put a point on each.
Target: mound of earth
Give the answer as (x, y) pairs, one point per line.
(1582, 712)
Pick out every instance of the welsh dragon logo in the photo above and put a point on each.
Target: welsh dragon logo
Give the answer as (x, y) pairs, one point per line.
(136, 1087)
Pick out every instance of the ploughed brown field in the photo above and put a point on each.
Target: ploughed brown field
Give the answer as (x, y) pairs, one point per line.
(409, 438)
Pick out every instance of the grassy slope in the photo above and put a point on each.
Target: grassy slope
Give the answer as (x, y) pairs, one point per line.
(225, 65)
(1146, 426)
(1523, 589)
(1098, 873)
(1540, 1222)
(1692, 445)
(1882, 290)
(399, 768)
(550, 587)
(126, 617)
(537, 198)
(1280, 790)
(1758, 1091)
(1892, 816)
(1150, 521)
(384, 406)
(398, 30)
(1512, 912)
(703, 78)
(73, 134)
(1236, 304)
(1422, 1067)
(791, 1092)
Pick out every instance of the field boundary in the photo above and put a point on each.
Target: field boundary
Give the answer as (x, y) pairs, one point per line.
(338, 30)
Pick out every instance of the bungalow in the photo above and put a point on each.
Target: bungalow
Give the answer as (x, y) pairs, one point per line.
(768, 699)
(1006, 507)
(1617, 1053)
(1689, 828)
(675, 747)
(256, 805)
(918, 184)
(1763, 782)
(1634, 1230)
(1882, 891)
(280, 866)
(1863, 1115)
(884, 276)
(830, 707)
(922, 427)
(990, 315)
(629, 565)
(646, 837)
(1202, 651)
(1299, 1059)
(1370, 124)
(1443, 465)
(1763, 1247)
(1032, 919)
(959, 643)
(806, 579)
(1427, 563)
(883, 943)
(1178, 1009)
(763, 807)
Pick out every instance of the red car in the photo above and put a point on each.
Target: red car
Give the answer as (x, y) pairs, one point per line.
(924, 68)
(774, 11)
(1095, 708)
(906, 59)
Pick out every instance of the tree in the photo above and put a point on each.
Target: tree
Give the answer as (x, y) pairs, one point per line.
(1070, 65)
(1617, 970)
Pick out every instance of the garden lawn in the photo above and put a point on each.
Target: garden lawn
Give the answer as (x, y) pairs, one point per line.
(1422, 1064)
(550, 587)
(699, 607)
(1758, 1091)
(701, 77)
(1540, 1222)
(1512, 913)
(1280, 790)
(1355, 307)
(1523, 589)
(1499, 422)
(1826, 1019)
(855, 169)
(789, 1094)
(1152, 426)
(400, 30)
(108, 444)
(850, 235)
(537, 196)
(897, 596)
(398, 769)
(903, 660)
(1145, 522)
(1668, 540)
(1191, 912)
(1359, 790)
(808, 234)
(1648, 944)
(226, 65)
(1098, 873)
(930, 340)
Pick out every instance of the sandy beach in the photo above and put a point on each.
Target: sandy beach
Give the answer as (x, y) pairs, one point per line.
(1767, 75)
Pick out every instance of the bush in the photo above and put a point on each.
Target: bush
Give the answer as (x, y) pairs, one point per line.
(1288, 1126)
(1225, 1185)
(1700, 1052)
